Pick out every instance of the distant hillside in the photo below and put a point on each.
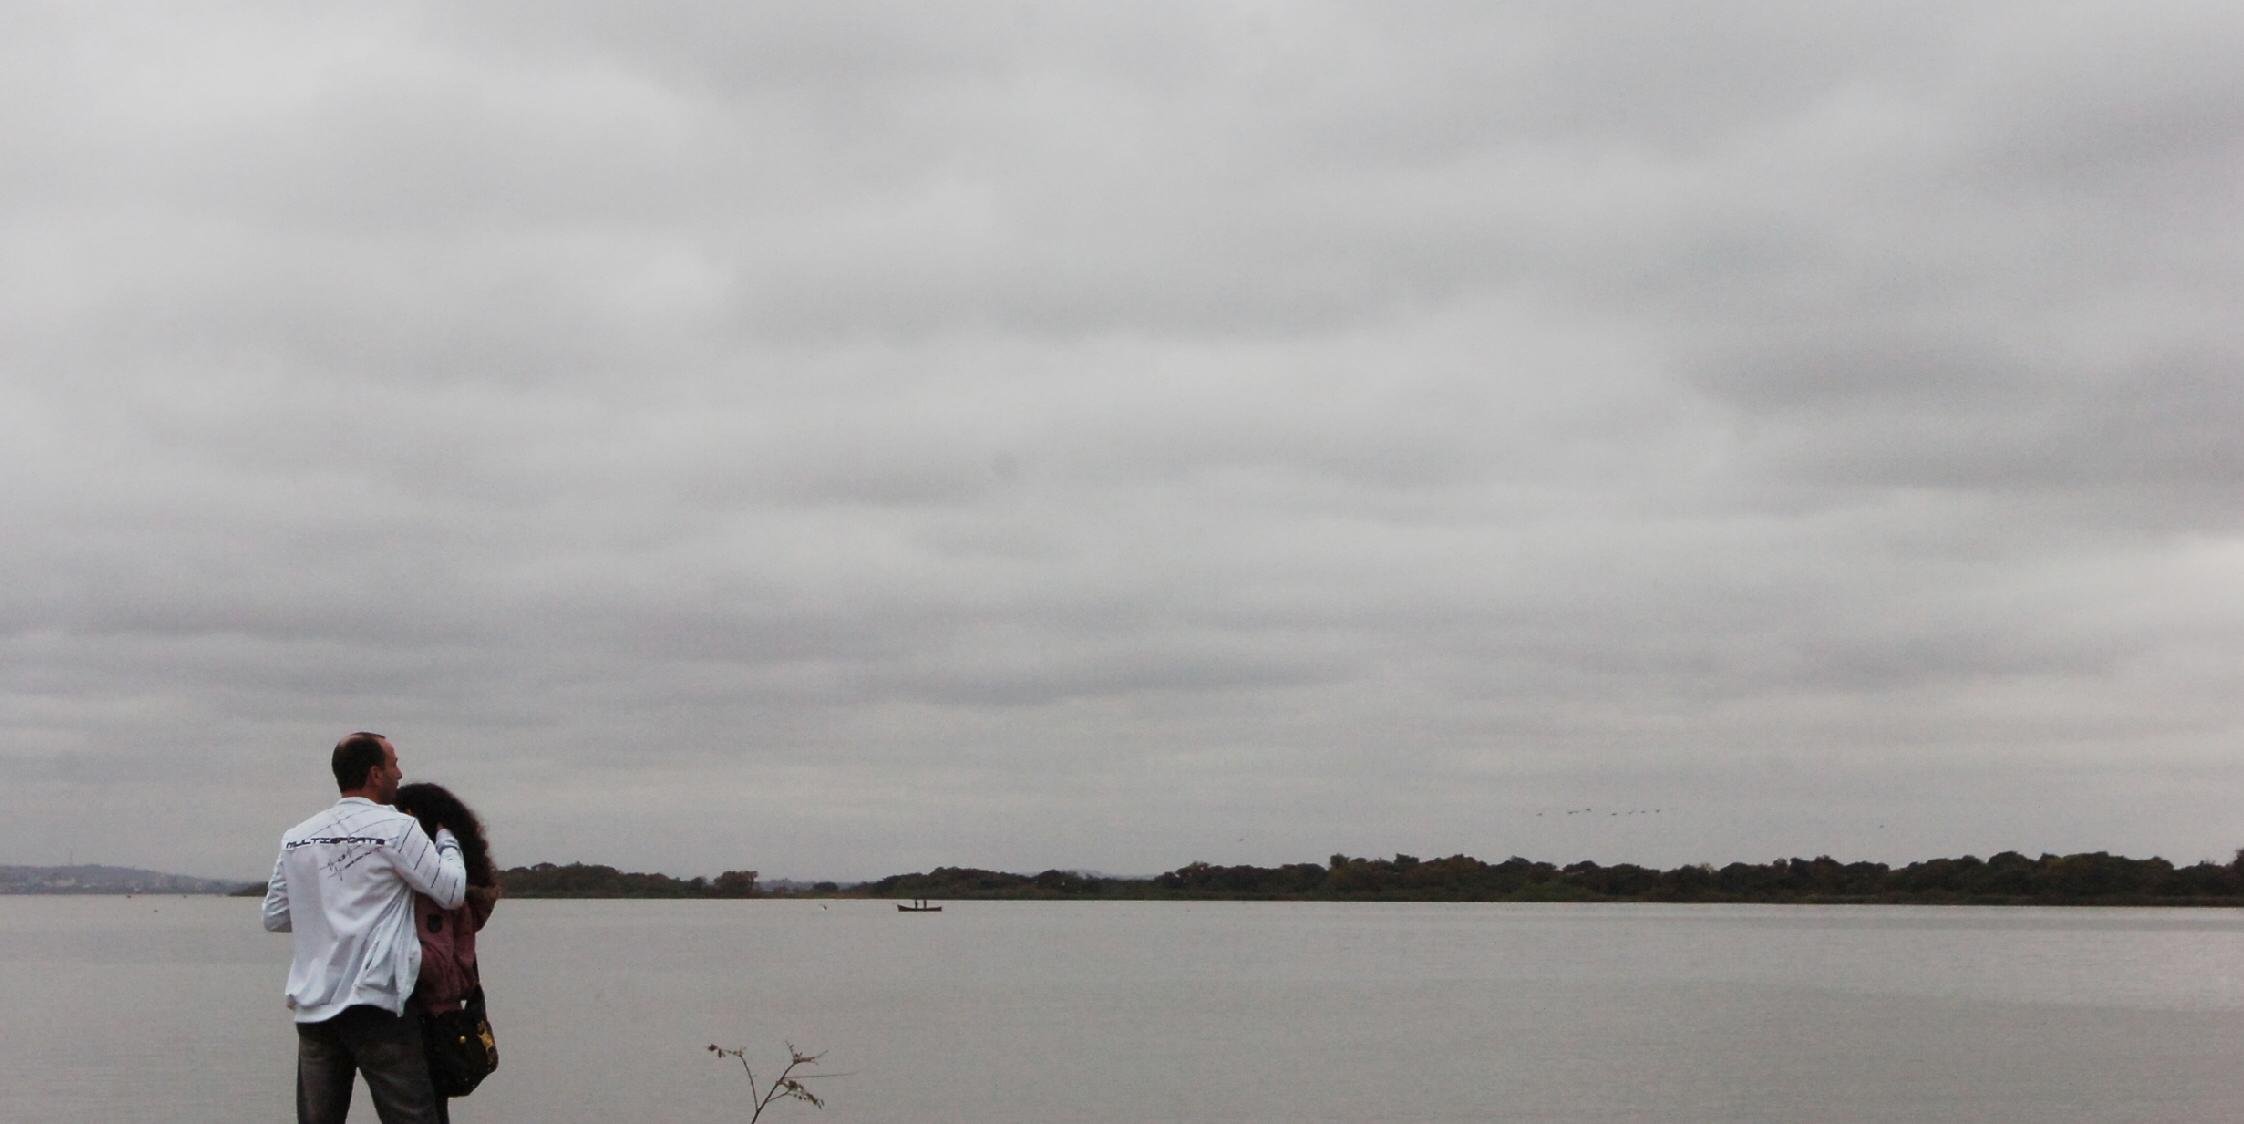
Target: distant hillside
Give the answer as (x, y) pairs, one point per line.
(800, 885)
(2008, 878)
(105, 880)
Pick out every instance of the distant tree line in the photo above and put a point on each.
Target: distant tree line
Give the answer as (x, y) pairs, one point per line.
(2009, 878)
(2006, 878)
(582, 880)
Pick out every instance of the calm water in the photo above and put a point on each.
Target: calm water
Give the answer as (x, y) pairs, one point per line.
(168, 1009)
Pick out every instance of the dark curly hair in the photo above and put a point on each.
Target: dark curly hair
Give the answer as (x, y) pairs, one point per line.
(436, 807)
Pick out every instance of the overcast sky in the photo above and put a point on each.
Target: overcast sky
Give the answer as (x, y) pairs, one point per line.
(839, 440)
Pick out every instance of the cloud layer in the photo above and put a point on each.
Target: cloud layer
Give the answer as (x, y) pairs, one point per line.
(853, 439)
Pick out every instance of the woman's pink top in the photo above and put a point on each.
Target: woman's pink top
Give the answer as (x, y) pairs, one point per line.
(447, 950)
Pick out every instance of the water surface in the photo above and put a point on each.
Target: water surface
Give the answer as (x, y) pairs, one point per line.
(168, 1009)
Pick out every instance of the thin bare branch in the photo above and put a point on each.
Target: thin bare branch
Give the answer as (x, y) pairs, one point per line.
(787, 1086)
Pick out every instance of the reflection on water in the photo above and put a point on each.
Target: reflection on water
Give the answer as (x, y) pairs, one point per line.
(165, 1009)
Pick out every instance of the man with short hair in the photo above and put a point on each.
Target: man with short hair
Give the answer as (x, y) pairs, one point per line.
(343, 887)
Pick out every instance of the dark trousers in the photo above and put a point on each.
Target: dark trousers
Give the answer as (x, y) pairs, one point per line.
(369, 1040)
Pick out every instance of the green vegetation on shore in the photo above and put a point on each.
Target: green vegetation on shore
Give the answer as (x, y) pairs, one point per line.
(2009, 878)
(582, 880)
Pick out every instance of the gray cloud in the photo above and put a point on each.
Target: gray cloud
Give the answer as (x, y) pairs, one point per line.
(855, 439)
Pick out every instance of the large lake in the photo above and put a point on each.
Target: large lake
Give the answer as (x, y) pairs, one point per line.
(168, 1009)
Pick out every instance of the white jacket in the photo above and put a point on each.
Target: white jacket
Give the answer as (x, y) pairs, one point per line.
(344, 886)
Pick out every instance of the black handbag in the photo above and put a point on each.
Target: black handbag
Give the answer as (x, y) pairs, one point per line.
(460, 1047)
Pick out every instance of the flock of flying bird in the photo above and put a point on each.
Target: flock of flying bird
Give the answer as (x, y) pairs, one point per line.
(1627, 812)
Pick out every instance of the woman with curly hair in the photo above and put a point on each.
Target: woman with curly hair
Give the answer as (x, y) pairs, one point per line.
(449, 978)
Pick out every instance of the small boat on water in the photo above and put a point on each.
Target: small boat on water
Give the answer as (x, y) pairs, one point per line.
(919, 905)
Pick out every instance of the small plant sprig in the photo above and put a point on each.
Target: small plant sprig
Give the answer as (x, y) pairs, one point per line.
(787, 1086)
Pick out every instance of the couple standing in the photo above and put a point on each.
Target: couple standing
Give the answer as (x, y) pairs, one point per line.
(383, 893)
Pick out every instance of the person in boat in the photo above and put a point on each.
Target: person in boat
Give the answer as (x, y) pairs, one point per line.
(448, 966)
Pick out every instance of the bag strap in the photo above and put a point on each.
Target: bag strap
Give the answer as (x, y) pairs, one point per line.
(474, 967)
